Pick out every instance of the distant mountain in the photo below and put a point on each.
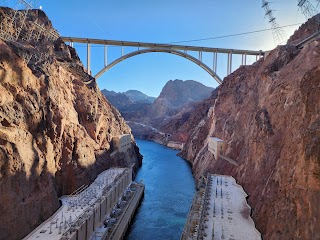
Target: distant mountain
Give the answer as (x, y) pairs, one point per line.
(138, 96)
(119, 100)
(129, 101)
(175, 101)
(178, 93)
(143, 113)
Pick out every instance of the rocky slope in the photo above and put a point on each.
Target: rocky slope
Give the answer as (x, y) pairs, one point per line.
(119, 100)
(55, 129)
(138, 96)
(129, 101)
(176, 94)
(269, 114)
(175, 101)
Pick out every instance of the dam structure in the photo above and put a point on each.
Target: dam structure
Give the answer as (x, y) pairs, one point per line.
(220, 211)
(101, 210)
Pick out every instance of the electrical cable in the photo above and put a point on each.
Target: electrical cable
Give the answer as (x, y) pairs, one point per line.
(224, 36)
(233, 35)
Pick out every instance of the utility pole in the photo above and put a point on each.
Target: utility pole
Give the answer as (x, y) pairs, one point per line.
(279, 36)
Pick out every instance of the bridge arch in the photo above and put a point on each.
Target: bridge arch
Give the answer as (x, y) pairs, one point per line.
(165, 50)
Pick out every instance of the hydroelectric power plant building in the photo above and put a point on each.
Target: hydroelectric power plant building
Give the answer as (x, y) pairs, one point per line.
(102, 210)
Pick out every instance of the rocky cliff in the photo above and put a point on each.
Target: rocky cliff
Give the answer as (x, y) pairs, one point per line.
(269, 115)
(176, 94)
(55, 128)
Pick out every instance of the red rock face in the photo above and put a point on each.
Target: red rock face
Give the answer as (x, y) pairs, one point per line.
(269, 114)
(55, 134)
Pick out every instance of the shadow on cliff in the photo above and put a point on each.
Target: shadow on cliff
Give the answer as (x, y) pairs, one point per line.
(23, 194)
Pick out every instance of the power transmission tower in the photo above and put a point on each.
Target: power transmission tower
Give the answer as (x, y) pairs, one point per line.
(279, 36)
(307, 9)
(13, 29)
(14, 20)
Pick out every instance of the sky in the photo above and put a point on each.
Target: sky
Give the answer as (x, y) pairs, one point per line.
(166, 21)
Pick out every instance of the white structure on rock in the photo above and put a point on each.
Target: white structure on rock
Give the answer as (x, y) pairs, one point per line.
(122, 142)
(216, 146)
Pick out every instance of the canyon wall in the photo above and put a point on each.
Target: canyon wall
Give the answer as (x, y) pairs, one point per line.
(269, 115)
(56, 129)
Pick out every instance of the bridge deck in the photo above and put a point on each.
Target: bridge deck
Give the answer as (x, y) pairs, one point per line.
(160, 45)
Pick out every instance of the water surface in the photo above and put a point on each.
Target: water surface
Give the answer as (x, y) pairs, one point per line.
(169, 189)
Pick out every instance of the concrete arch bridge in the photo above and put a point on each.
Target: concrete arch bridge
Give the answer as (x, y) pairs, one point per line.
(179, 50)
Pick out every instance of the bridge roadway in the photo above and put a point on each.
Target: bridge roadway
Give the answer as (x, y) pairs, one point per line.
(180, 50)
(160, 45)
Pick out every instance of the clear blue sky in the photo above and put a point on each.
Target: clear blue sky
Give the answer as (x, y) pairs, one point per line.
(165, 21)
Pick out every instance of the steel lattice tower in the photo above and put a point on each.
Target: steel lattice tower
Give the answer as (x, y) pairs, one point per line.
(307, 9)
(279, 36)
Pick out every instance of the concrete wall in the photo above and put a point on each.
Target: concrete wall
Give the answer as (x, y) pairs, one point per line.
(82, 231)
(90, 223)
(97, 216)
(122, 142)
(102, 209)
(175, 145)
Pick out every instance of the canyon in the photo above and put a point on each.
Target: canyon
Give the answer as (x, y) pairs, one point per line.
(56, 130)
(269, 116)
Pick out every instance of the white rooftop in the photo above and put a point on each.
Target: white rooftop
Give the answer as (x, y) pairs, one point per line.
(74, 206)
(228, 214)
(216, 139)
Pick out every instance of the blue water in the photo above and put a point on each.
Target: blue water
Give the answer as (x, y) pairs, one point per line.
(169, 189)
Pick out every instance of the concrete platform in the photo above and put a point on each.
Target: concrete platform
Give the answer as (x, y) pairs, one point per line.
(220, 211)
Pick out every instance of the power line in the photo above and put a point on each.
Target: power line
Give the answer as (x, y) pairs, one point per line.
(236, 34)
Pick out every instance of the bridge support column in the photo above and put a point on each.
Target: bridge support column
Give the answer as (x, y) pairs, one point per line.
(122, 51)
(229, 63)
(200, 56)
(105, 55)
(215, 61)
(88, 58)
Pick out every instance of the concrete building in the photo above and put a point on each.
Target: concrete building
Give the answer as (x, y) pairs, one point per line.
(122, 142)
(216, 146)
(175, 145)
(88, 208)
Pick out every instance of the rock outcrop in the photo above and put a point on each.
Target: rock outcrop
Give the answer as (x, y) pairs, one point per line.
(138, 96)
(174, 95)
(55, 130)
(175, 102)
(269, 115)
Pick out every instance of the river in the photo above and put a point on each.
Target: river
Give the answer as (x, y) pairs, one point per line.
(169, 189)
